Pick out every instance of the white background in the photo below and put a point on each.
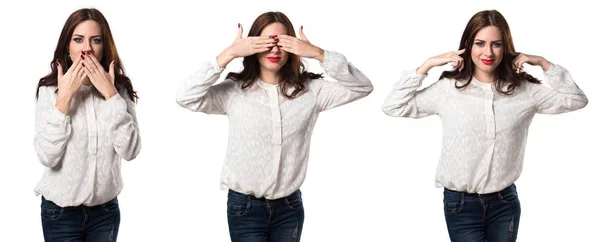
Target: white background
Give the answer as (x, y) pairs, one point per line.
(370, 176)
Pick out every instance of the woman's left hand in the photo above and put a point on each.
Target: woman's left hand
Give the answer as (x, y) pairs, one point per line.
(530, 59)
(300, 46)
(104, 82)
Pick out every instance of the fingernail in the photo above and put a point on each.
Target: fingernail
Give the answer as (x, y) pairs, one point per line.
(83, 64)
(83, 52)
(239, 25)
(83, 58)
(56, 63)
(302, 27)
(272, 36)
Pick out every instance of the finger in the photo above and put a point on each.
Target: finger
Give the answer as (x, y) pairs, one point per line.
(302, 36)
(111, 71)
(86, 72)
(94, 61)
(59, 69)
(76, 63)
(79, 74)
(262, 39)
(459, 52)
(240, 31)
(287, 49)
(76, 67)
(456, 62)
(286, 37)
(263, 46)
(286, 41)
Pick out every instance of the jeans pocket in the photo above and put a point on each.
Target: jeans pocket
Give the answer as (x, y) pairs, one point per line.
(453, 204)
(111, 206)
(509, 197)
(237, 208)
(294, 202)
(50, 211)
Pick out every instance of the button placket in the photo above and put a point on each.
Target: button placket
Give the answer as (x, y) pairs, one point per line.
(91, 123)
(489, 113)
(275, 114)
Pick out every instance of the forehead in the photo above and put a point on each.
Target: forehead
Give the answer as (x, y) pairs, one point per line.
(491, 33)
(88, 27)
(274, 28)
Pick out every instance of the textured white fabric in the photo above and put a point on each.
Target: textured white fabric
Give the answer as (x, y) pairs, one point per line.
(484, 133)
(83, 151)
(269, 135)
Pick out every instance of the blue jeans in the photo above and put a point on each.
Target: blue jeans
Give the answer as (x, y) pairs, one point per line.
(492, 217)
(257, 219)
(81, 223)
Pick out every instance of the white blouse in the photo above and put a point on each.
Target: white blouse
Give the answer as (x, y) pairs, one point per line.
(484, 133)
(269, 135)
(83, 151)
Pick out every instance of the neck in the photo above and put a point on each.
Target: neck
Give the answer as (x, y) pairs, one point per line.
(485, 76)
(269, 77)
(86, 81)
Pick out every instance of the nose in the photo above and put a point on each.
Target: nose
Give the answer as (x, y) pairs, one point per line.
(275, 49)
(488, 51)
(87, 47)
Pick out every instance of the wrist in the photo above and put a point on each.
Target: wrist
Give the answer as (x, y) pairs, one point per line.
(225, 57)
(424, 68)
(110, 93)
(319, 54)
(545, 64)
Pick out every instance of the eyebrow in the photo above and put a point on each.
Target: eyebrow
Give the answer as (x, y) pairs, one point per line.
(78, 35)
(484, 40)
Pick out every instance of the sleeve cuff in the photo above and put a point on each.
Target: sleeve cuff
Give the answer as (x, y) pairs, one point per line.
(333, 61)
(216, 68)
(116, 107)
(55, 116)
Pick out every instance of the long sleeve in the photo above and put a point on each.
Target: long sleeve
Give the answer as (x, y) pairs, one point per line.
(124, 132)
(198, 93)
(405, 100)
(351, 83)
(52, 128)
(562, 96)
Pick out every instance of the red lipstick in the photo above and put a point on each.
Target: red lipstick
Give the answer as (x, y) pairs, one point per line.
(274, 59)
(487, 61)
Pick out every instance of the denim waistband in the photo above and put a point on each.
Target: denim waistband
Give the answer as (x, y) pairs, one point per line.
(240, 196)
(500, 193)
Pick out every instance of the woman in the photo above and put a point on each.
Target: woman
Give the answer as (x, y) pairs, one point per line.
(85, 124)
(272, 106)
(486, 105)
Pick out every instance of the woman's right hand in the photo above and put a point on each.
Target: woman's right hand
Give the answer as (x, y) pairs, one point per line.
(68, 83)
(443, 59)
(242, 47)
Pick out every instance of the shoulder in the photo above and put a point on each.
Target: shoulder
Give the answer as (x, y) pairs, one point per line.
(47, 91)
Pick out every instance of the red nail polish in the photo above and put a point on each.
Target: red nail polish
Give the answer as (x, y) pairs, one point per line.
(83, 64)
(239, 25)
(83, 58)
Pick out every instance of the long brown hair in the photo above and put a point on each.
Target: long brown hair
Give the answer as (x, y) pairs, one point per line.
(293, 74)
(504, 72)
(61, 54)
